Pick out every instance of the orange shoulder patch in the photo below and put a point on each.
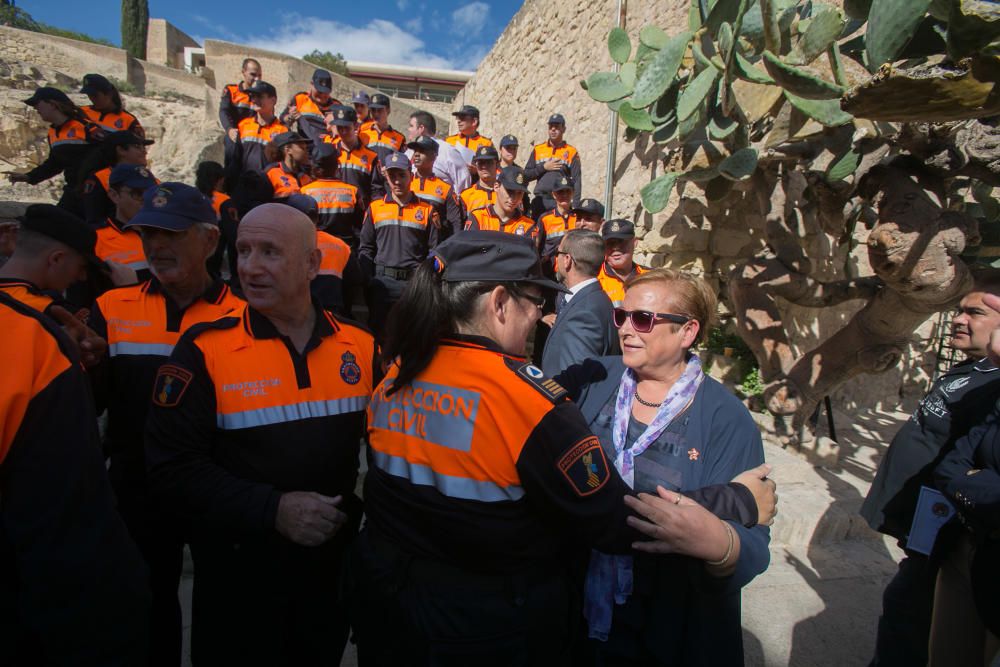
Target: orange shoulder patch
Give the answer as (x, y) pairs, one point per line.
(585, 467)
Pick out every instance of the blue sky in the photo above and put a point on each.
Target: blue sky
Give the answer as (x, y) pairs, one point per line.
(422, 33)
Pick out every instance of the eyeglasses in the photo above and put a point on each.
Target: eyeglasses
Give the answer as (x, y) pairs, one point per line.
(643, 321)
(536, 299)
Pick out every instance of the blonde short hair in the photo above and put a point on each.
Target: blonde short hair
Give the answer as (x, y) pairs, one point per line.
(690, 295)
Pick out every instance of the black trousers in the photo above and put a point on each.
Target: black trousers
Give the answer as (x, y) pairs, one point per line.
(383, 293)
(415, 612)
(267, 604)
(907, 604)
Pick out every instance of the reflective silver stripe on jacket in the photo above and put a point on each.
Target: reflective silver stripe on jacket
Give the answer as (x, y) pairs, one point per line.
(453, 487)
(400, 223)
(280, 414)
(126, 348)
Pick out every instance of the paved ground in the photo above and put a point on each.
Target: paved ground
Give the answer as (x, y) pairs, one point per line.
(818, 603)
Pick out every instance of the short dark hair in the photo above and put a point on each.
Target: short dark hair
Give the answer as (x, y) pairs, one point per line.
(986, 279)
(207, 175)
(247, 61)
(587, 250)
(425, 119)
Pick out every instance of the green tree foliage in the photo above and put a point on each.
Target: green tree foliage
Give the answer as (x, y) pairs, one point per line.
(134, 25)
(334, 62)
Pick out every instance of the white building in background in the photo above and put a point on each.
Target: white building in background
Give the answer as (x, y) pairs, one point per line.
(413, 83)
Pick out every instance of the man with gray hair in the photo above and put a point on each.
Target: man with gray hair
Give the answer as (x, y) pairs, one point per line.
(253, 440)
(179, 232)
(582, 326)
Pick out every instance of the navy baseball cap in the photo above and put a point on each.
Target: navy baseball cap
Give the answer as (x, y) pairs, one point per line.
(361, 98)
(262, 88)
(557, 119)
(562, 183)
(508, 140)
(48, 94)
(125, 138)
(325, 151)
(343, 115)
(95, 83)
(591, 206)
(397, 160)
(618, 229)
(174, 207)
(486, 153)
(304, 203)
(379, 101)
(133, 176)
(285, 138)
(513, 180)
(61, 225)
(466, 110)
(424, 144)
(322, 81)
(475, 255)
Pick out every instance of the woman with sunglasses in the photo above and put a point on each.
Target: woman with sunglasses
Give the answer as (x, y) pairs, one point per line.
(673, 433)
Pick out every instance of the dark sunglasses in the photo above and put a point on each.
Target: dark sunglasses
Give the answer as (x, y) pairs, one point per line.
(643, 321)
(538, 300)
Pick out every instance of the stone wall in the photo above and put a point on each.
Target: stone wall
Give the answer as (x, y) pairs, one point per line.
(534, 70)
(165, 44)
(289, 75)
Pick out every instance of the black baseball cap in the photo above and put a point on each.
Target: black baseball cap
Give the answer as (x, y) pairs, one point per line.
(61, 225)
(262, 88)
(562, 183)
(557, 119)
(591, 206)
(467, 110)
(491, 255)
(396, 160)
(379, 101)
(513, 180)
(125, 138)
(508, 140)
(133, 176)
(47, 94)
(618, 229)
(302, 202)
(486, 153)
(324, 151)
(174, 207)
(95, 83)
(424, 144)
(285, 138)
(322, 81)
(344, 115)
(361, 97)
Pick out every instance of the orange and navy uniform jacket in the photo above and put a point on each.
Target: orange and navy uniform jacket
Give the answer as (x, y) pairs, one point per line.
(361, 168)
(614, 286)
(253, 138)
(439, 194)
(97, 205)
(336, 268)
(30, 294)
(234, 106)
(69, 145)
(284, 181)
(141, 324)
(486, 219)
(487, 455)
(114, 121)
(397, 236)
(477, 196)
(122, 246)
(565, 155)
(340, 208)
(240, 416)
(311, 123)
(554, 226)
(472, 143)
(58, 507)
(381, 141)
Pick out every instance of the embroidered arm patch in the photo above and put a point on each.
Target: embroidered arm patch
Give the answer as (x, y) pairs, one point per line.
(171, 383)
(534, 376)
(585, 467)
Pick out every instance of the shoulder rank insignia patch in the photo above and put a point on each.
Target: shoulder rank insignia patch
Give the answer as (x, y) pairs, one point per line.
(585, 467)
(534, 376)
(171, 383)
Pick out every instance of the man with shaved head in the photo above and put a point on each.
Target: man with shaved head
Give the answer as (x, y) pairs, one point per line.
(253, 439)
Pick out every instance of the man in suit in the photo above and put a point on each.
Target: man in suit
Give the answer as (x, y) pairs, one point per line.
(581, 326)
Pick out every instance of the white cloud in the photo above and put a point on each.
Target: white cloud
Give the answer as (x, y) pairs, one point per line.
(402, 4)
(470, 19)
(379, 41)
